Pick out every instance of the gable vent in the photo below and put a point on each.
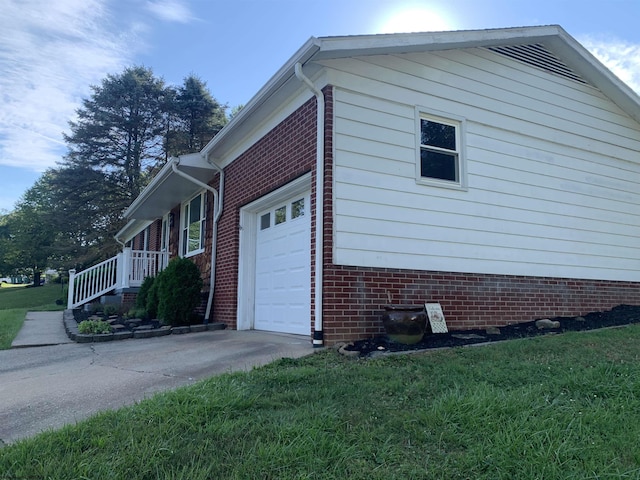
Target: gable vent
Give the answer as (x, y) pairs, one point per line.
(538, 56)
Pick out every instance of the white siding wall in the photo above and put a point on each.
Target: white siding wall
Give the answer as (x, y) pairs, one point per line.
(553, 170)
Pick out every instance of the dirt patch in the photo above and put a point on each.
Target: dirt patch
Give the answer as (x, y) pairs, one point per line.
(620, 315)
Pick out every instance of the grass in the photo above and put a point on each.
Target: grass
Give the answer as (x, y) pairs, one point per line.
(11, 321)
(15, 301)
(553, 407)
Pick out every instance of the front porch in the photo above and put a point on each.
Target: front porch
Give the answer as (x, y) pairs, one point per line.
(127, 269)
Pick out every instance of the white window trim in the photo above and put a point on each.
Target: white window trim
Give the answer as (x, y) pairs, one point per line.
(165, 233)
(460, 125)
(183, 219)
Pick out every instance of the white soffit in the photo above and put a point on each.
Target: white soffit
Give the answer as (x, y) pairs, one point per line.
(168, 189)
(131, 229)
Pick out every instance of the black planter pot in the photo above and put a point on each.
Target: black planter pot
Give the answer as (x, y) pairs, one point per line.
(405, 323)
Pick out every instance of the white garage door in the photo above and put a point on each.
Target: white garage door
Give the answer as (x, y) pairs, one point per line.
(283, 268)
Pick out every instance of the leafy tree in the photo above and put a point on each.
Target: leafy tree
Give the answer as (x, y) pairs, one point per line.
(5, 245)
(27, 241)
(124, 132)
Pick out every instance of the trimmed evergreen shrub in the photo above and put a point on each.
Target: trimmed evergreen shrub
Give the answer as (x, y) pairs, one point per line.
(178, 289)
(143, 302)
(143, 293)
(153, 297)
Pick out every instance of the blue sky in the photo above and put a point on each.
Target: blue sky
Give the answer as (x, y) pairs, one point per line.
(51, 51)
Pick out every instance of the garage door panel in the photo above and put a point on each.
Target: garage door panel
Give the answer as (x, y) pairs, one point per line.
(283, 269)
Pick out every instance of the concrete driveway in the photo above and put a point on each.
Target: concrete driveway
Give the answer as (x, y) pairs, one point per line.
(46, 387)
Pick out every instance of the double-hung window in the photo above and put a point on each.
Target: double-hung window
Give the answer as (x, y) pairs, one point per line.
(440, 151)
(193, 215)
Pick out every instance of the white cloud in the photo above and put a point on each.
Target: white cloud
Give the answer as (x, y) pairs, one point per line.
(619, 56)
(170, 10)
(51, 51)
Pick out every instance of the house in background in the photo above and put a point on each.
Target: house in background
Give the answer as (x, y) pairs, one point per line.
(493, 171)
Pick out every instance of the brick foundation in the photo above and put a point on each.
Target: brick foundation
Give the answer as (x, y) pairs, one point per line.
(354, 298)
(129, 299)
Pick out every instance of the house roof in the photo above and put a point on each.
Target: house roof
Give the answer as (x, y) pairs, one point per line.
(552, 37)
(550, 46)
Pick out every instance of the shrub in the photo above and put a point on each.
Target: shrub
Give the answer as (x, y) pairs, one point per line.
(137, 313)
(178, 289)
(95, 308)
(143, 293)
(110, 310)
(153, 298)
(94, 327)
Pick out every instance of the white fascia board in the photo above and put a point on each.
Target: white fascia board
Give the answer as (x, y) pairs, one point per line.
(595, 72)
(155, 183)
(131, 229)
(169, 187)
(275, 83)
(337, 47)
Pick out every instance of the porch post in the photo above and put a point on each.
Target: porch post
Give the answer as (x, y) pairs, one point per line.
(72, 283)
(124, 263)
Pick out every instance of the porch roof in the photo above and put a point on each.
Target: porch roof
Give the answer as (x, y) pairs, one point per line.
(166, 191)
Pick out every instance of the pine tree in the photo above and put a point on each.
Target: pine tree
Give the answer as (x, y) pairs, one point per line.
(197, 118)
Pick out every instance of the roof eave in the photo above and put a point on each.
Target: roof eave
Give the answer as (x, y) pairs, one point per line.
(168, 188)
(595, 72)
(276, 82)
(346, 46)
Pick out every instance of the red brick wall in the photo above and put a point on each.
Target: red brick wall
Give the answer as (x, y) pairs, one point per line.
(128, 300)
(282, 155)
(155, 229)
(155, 232)
(137, 241)
(354, 298)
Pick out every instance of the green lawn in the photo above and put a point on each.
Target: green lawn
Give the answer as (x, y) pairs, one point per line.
(556, 407)
(15, 301)
(11, 321)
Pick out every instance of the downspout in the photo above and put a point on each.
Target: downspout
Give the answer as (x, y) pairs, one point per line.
(318, 336)
(174, 166)
(214, 238)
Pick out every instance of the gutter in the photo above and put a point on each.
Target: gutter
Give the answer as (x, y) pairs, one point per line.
(318, 335)
(217, 209)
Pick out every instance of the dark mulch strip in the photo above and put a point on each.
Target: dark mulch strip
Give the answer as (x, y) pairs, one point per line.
(618, 316)
(79, 315)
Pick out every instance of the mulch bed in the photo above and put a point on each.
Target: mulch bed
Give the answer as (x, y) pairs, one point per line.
(618, 316)
(127, 324)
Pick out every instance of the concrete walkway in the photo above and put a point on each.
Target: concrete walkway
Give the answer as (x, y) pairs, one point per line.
(41, 329)
(47, 387)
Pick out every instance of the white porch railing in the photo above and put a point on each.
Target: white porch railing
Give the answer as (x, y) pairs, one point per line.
(127, 269)
(145, 264)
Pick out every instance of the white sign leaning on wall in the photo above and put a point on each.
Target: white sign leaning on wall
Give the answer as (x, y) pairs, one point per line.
(436, 318)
